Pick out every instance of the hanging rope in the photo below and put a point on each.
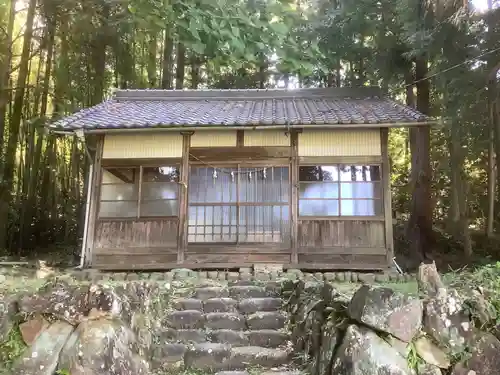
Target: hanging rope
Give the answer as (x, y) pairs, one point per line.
(229, 171)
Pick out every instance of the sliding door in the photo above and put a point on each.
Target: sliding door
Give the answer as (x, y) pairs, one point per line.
(239, 204)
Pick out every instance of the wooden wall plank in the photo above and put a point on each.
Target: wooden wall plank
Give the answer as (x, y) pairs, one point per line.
(150, 145)
(135, 234)
(360, 142)
(94, 200)
(387, 198)
(294, 200)
(156, 260)
(336, 233)
(214, 138)
(183, 197)
(343, 261)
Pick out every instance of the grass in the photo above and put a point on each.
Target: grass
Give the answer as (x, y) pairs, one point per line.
(11, 349)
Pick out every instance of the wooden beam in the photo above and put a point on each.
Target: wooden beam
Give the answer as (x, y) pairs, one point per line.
(386, 181)
(294, 201)
(240, 138)
(116, 172)
(183, 197)
(148, 162)
(94, 200)
(238, 153)
(349, 160)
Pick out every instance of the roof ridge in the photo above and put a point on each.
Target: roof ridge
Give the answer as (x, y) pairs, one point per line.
(249, 94)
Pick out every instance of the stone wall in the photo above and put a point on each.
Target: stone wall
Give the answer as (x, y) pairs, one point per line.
(244, 274)
(379, 331)
(122, 325)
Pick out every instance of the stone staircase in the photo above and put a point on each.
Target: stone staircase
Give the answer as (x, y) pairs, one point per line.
(238, 327)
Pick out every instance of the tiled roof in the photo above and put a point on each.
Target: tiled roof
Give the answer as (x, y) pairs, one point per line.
(178, 108)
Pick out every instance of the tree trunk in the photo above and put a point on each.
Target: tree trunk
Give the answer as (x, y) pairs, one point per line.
(494, 135)
(98, 55)
(152, 46)
(4, 77)
(195, 73)
(180, 69)
(14, 126)
(168, 48)
(420, 232)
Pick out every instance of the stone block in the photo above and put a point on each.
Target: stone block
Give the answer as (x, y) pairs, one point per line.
(250, 291)
(208, 356)
(232, 321)
(252, 305)
(266, 320)
(186, 319)
(219, 305)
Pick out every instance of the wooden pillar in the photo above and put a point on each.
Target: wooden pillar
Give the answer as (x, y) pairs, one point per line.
(183, 197)
(94, 200)
(294, 201)
(240, 138)
(387, 198)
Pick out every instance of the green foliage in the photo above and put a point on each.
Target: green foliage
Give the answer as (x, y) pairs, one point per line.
(11, 349)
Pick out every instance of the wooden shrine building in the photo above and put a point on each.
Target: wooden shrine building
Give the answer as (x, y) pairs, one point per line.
(231, 178)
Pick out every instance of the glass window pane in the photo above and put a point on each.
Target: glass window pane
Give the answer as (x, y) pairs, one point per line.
(319, 173)
(119, 192)
(360, 173)
(118, 209)
(361, 207)
(264, 184)
(360, 190)
(318, 207)
(318, 190)
(159, 208)
(159, 190)
(209, 186)
(160, 174)
(120, 175)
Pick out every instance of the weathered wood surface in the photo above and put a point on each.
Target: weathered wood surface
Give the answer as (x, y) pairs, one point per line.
(138, 233)
(238, 254)
(341, 233)
(236, 154)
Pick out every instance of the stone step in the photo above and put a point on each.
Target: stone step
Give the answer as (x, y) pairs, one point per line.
(195, 319)
(237, 292)
(226, 304)
(225, 320)
(241, 292)
(216, 356)
(223, 304)
(267, 338)
(266, 320)
(253, 305)
(267, 372)
(252, 356)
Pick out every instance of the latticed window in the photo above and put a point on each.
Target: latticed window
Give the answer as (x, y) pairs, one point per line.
(238, 204)
(139, 192)
(340, 190)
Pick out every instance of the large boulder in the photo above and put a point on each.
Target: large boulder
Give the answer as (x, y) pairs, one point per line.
(329, 337)
(431, 353)
(482, 359)
(362, 352)
(102, 347)
(74, 303)
(42, 357)
(387, 310)
(447, 321)
(58, 299)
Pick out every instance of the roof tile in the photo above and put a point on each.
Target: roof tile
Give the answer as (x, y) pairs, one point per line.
(161, 108)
